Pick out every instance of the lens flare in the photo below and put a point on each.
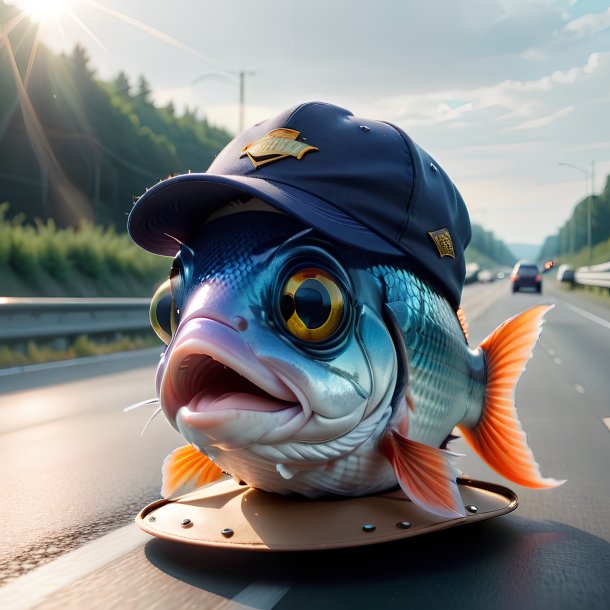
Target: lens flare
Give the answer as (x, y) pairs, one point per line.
(44, 10)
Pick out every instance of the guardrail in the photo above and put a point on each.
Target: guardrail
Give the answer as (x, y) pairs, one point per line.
(595, 275)
(23, 319)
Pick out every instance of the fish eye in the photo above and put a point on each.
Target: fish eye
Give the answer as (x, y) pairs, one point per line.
(312, 304)
(163, 312)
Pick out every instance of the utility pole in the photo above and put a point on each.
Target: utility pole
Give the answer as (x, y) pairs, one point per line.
(242, 98)
(230, 75)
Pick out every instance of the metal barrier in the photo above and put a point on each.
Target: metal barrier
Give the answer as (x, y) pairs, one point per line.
(595, 275)
(22, 319)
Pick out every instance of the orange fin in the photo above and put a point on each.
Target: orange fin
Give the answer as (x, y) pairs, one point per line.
(461, 316)
(426, 474)
(410, 402)
(187, 465)
(498, 437)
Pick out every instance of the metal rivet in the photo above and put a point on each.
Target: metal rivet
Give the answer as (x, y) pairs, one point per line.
(368, 527)
(153, 518)
(240, 323)
(472, 508)
(433, 167)
(186, 523)
(403, 525)
(227, 532)
(365, 128)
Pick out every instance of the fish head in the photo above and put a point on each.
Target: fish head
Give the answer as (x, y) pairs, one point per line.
(276, 346)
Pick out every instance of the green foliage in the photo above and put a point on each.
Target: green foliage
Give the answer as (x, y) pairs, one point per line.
(572, 242)
(89, 146)
(93, 252)
(488, 251)
(81, 346)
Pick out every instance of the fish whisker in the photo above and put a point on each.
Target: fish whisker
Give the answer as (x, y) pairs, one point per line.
(144, 403)
(149, 420)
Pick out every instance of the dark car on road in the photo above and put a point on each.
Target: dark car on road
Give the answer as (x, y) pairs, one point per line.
(526, 275)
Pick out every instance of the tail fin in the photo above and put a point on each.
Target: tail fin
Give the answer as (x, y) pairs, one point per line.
(498, 437)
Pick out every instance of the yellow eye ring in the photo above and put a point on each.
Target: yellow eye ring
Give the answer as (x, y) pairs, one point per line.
(163, 315)
(312, 304)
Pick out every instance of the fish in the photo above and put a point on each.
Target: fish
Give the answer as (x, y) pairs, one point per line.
(298, 365)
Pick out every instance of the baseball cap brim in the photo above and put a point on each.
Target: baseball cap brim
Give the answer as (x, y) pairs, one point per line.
(173, 209)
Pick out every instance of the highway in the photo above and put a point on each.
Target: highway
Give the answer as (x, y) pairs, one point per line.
(75, 471)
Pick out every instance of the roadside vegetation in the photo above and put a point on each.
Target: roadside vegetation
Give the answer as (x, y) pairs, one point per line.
(570, 245)
(77, 148)
(81, 347)
(40, 259)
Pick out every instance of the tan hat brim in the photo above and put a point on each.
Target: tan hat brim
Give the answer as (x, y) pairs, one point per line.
(228, 515)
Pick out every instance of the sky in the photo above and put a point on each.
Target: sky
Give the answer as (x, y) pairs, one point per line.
(500, 92)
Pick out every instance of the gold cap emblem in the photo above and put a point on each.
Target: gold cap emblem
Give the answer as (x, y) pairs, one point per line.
(443, 242)
(277, 144)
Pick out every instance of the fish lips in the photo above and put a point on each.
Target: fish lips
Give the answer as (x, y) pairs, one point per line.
(217, 393)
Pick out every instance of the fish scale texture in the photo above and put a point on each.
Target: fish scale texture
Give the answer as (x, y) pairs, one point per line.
(446, 378)
(229, 256)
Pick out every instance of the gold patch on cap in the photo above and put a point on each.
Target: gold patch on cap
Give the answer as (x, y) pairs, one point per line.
(443, 242)
(277, 144)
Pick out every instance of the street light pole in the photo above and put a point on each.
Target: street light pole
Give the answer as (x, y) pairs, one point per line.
(242, 89)
(242, 97)
(588, 198)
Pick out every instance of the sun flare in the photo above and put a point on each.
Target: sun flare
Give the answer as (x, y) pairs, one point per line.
(44, 10)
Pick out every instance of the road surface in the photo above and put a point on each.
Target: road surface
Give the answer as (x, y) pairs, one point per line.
(75, 471)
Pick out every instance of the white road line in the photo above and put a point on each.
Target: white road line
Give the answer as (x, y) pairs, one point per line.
(579, 388)
(551, 352)
(607, 422)
(557, 360)
(32, 588)
(259, 595)
(589, 316)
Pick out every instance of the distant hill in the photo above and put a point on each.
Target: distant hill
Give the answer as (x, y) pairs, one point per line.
(525, 251)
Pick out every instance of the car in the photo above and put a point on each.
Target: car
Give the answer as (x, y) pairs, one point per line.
(526, 275)
(484, 276)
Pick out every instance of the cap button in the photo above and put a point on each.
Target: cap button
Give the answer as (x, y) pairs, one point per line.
(433, 167)
(365, 128)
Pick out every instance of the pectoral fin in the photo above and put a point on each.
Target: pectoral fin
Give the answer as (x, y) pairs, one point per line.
(186, 465)
(426, 474)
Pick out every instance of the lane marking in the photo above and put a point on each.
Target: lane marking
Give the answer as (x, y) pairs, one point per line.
(589, 316)
(551, 352)
(259, 595)
(557, 360)
(607, 422)
(32, 588)
(579, 388)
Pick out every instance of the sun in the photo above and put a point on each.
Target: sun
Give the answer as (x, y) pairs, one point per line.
(44, 10)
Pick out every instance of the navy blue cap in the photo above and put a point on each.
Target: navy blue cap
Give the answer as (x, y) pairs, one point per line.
(360, 182)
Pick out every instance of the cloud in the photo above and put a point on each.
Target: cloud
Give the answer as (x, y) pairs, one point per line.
(575, 31)
(515, 104)
(542, 121)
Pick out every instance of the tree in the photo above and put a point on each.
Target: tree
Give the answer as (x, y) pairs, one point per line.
(121, 84)
(144, 90)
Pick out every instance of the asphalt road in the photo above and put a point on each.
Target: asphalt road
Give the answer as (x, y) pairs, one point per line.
(74, 468)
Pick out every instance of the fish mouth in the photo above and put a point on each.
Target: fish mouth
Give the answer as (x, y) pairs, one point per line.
(217, 393)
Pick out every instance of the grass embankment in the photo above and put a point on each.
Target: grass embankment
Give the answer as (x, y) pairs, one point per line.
(600, 253)
(42, 260)
(82, 346)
